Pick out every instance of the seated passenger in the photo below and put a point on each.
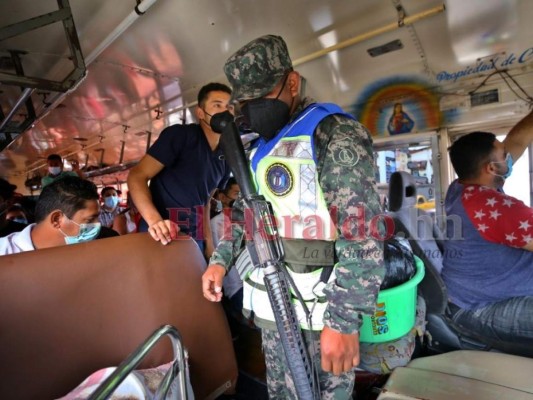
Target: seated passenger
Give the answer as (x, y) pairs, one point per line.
(220, 224)
(66, 213)
(488, 259)
(7, 192)
(110, 210)
(16, 213)
(127, 220)
(132, 217)
(55, 170)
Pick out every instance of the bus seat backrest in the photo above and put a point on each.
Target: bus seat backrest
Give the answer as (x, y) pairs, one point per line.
(69, 311)
(424, 236)
(402, 191)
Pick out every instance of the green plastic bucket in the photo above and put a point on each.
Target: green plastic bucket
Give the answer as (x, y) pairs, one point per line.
(395, 311)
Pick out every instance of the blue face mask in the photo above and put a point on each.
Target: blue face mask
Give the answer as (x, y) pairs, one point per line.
(21, 220)
(509, 162)
(86, 233)
(111, 201)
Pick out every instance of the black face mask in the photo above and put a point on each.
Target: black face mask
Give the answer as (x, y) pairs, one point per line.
(203, 119)
(266, 116)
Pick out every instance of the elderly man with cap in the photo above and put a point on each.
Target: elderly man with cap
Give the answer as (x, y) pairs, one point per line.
(315, 165)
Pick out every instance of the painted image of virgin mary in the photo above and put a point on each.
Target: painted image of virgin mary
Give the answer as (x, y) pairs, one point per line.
(399, 121)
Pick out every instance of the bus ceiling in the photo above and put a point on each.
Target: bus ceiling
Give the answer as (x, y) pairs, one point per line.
(97, 81)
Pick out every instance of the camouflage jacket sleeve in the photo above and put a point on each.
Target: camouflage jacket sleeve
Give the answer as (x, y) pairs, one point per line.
(346, 174)
(231, 242)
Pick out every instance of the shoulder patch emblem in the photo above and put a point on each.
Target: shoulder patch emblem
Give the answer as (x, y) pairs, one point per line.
(343, 152)
(345, 157)
(279, 179)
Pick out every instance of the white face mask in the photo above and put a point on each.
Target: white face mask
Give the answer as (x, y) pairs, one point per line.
(54, 170)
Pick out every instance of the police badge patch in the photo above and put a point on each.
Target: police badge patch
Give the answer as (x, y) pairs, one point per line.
(279, 179)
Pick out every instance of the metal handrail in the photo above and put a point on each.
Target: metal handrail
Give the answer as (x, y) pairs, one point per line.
(108, 386)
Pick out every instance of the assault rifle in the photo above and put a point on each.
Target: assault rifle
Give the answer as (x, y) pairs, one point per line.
(269, 255)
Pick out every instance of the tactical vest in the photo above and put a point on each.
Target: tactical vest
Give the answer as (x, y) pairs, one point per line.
(286, 175)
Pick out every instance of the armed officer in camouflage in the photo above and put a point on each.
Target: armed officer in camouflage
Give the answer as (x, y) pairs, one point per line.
(314, 164)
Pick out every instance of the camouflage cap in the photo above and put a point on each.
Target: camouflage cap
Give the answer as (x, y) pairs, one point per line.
(256, 68)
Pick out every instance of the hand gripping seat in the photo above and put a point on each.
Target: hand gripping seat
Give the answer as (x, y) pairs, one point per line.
(427, 243)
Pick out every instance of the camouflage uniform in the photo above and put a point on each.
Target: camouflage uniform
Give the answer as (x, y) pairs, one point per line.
(345, 167)
(279, 379)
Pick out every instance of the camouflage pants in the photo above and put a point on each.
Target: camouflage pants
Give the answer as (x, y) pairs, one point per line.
(279, 380)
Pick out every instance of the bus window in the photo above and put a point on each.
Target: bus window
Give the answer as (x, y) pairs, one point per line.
(518, 184)
(416, 159)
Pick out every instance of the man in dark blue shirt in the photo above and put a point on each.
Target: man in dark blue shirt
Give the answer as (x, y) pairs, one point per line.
(183, 166)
